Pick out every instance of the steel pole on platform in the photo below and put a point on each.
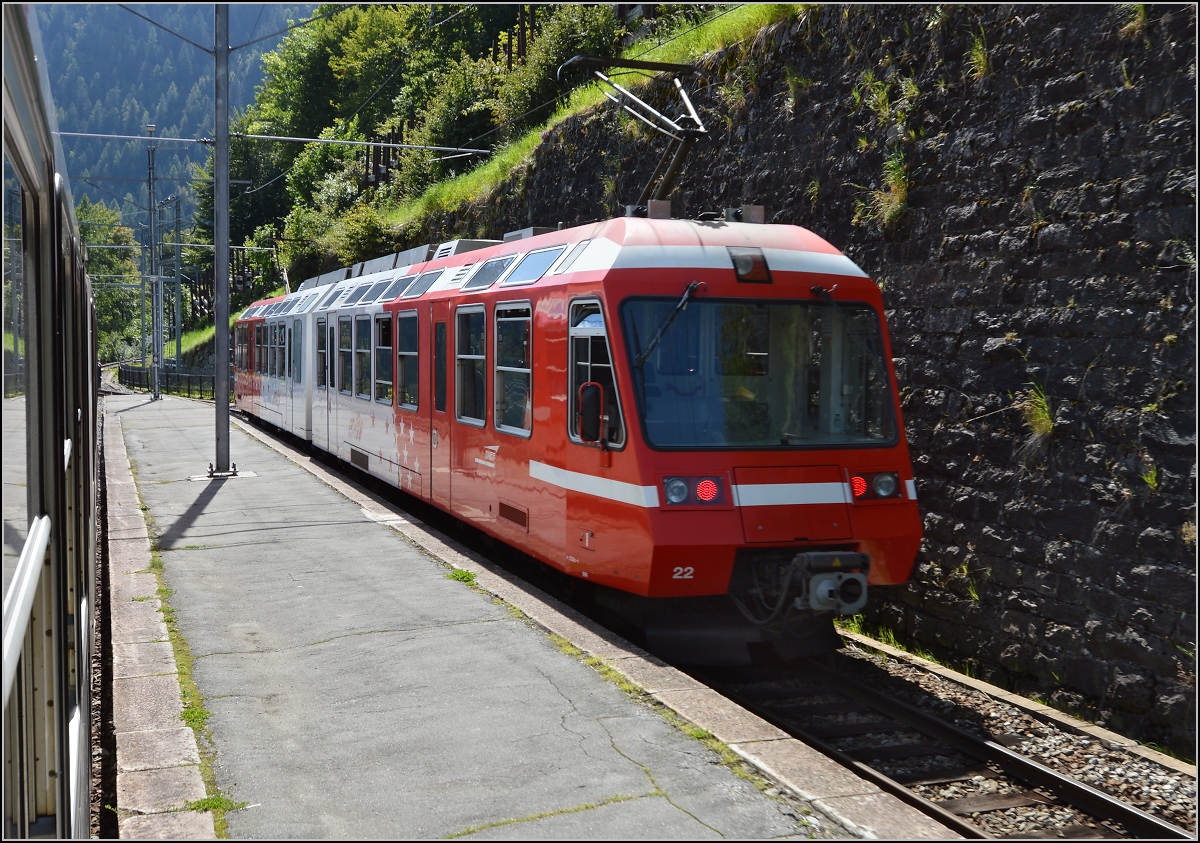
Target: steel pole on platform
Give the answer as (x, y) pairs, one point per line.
(221, 238)
(155, 282)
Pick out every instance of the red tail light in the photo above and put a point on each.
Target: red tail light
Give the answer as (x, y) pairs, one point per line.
(706, 490)
(858, 485)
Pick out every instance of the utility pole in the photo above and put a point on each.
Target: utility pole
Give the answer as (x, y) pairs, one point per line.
(221, 238)
(155, 283)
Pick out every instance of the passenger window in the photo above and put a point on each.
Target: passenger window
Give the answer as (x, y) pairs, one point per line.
(513, 396)
(383, 359)
(439, 365)
(272, 362)
(280, 350)
(362, 357)
(345, 354)
(321, 362)
(297, 341)
(470, 342)
(592, 363)
(406, 361)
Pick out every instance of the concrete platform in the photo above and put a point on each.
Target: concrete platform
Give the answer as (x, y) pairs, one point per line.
(353, 690)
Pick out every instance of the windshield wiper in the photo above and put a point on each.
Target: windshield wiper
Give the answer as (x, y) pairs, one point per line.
(654, 340)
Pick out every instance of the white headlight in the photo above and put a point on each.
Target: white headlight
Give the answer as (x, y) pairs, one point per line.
(884, 485)
(677, 490)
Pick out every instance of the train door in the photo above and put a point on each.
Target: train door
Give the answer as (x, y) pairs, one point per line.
(440, 410)
(289, 411)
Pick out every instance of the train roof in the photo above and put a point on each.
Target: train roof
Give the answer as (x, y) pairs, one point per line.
(614, 244)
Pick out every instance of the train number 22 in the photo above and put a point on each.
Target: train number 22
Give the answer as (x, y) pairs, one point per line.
(684, 573)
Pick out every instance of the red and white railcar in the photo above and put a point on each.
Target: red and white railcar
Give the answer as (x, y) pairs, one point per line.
(671, 408)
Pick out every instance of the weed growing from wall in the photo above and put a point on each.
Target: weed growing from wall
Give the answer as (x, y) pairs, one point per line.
(1038, 414)
(978, 65)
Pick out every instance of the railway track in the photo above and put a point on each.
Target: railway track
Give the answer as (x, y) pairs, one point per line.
(973, 784)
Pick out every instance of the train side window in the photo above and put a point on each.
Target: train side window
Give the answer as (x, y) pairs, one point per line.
(297, 351)
(345, 354)
(258, 348)
(592, 363)
(470, 333)
(321, 362)
(439, 367)
(513, 369)
(272, 361)
(362, 357)
(407, 379)
(281, 350)
(383, 359)
(287, 349)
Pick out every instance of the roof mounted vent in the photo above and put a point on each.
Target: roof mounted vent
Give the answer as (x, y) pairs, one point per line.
(457, 247)
(747, 213)
(532, 231)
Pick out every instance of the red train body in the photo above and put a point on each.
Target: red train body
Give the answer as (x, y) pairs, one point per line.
(670, 408)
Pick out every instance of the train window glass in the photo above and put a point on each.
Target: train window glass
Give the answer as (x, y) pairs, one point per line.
(329, 297)
(570, 259)
(439, 367)
(376, 292)
(422, 284)
(359, 292)
(533, 266)
(383, 359)
(487, 274)
(759, 374)
(470, 341)
(514, 408)
(287, 351)
(397, 287)
(281, 352)
(289, 306)
(591, 362)
(362, 357)
(321, 361)
(406, 360)
(345, 354)
(18, 410)
(272, 342)
(297, 341)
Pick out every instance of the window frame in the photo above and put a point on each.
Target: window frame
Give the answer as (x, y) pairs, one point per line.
(498, 371)
(377, 335)
(406, 358)
(346, 355)
(479, 360)
(572, 368)
(322, 359)
(362, 351)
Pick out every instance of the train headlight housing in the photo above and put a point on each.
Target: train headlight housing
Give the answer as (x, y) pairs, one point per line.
(875, 485)
(677, 490)
(700, 490)
(885, 484)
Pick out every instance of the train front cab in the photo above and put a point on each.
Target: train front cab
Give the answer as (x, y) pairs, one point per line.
(773, 474)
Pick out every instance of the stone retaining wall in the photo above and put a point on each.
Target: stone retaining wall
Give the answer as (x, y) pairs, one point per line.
(1036, 238)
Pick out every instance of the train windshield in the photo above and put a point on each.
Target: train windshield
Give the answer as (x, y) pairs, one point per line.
(758, 374)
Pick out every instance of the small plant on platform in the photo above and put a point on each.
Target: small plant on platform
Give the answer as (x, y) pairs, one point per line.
(462, 575)
(978, 65)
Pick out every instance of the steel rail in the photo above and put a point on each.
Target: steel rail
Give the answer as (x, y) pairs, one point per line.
(1095, 802)
(887, 785)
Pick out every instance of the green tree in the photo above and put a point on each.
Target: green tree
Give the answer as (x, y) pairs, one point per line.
(112, 261)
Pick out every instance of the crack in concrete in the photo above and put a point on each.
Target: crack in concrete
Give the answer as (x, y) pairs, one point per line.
(346, 635)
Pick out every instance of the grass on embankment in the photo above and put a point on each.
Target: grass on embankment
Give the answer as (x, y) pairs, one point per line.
(730, 27)
(205, 333)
